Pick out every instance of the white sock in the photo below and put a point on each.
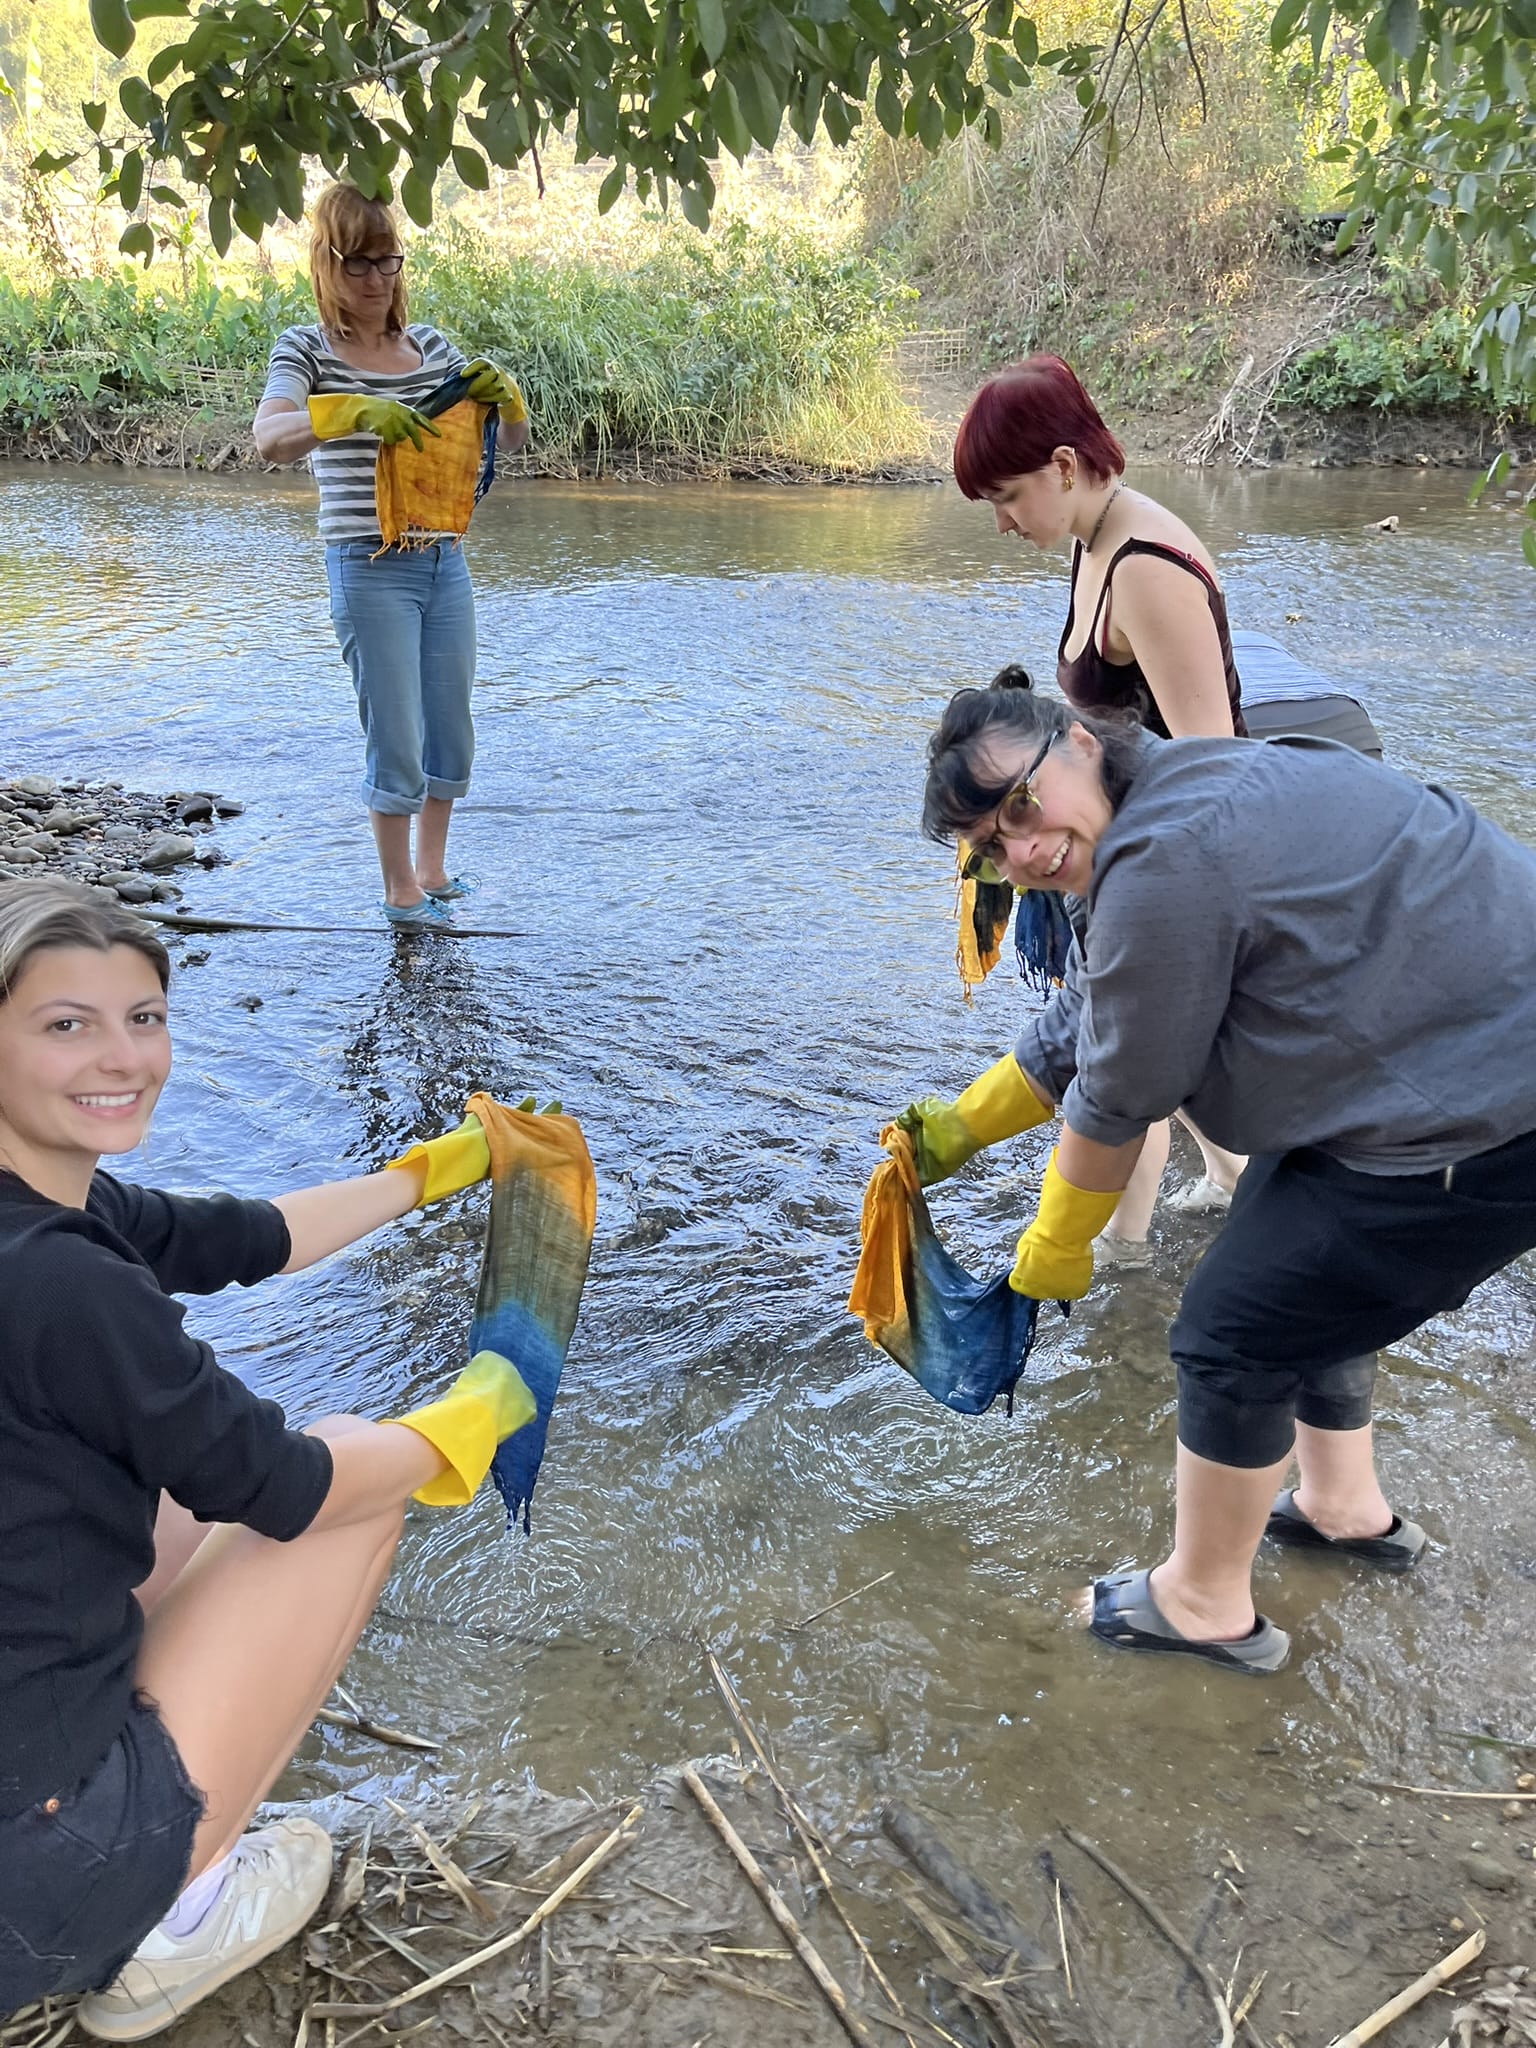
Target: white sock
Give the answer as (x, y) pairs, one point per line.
(195, 1903)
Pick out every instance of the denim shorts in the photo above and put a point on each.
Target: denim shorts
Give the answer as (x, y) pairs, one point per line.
(86, 1875)
(406, 624)
(1319, 1266)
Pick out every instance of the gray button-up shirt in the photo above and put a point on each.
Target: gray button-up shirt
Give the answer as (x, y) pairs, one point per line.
(1298, 946)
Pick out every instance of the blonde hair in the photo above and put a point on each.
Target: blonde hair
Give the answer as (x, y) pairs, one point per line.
(348, 220)
(38, 916)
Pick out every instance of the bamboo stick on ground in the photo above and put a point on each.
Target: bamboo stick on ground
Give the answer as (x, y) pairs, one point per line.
(1419, 1989)
(621, 1837)
(825, 1982)
(1439, 1791)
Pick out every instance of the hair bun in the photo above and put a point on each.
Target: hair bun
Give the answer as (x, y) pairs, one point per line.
(1013, 677)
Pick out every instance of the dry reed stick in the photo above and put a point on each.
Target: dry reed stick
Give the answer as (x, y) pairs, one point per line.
(801, 1825)
(1061, 1930)
(1170, 1934)
(621, 1837)
(806, 1619)
(1438, 1792)
(788, 1925)
(1420, 1988)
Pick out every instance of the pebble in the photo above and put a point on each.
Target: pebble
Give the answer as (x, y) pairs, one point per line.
(247, 1002)
(35, 785)
(1487, 1872)
(167, 850)
(134, 890)
(23, 856)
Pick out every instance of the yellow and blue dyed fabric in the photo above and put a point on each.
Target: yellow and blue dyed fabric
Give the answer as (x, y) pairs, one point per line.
(423, 493)
(963, 1340)
(537, 1247)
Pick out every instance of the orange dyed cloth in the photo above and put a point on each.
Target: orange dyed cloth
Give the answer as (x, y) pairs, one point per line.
(423, 493)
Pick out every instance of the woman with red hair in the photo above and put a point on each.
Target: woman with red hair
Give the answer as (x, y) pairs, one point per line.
(1146, 635)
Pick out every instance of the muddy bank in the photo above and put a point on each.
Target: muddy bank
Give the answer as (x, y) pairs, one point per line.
(1363, 437)
(123, 845)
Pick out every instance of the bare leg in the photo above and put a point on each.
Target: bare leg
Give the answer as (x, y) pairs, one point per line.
(1204, 1588)
(1133, 1212)
(1221, 1167)
(392, 837)
(246, 1643)
(1339, 1491)
(178, 1536)
(432, 842)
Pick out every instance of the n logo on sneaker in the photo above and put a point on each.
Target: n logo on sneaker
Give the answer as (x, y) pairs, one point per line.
(247, 1916)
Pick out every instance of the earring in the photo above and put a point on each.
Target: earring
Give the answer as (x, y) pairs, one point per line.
(1067, 483)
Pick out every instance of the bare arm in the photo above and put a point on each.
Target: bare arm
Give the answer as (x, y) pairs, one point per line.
(1097, 1169)
(374, 1466)
(281, 431)
(321, 1220)
(510, 440)
(1164, 613)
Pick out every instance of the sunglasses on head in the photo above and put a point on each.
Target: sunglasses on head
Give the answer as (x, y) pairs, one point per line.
(1012, 815)
(359, 266)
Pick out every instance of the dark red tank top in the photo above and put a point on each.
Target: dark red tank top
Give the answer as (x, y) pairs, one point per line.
(1093, 683)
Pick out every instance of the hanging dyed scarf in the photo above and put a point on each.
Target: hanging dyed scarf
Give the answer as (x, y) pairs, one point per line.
(1042, 931)
(537, 1245)
(423, 493)
(963, 1341)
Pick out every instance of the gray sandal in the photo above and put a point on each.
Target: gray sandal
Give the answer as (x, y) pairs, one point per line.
(1126, 1616)
(1398, 1550)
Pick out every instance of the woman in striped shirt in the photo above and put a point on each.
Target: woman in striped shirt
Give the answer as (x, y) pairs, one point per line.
(405, 619)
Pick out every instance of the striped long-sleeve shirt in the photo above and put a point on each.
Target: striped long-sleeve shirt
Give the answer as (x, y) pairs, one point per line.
(301, 366)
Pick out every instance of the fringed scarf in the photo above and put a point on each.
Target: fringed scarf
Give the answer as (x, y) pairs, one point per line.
(423, 493)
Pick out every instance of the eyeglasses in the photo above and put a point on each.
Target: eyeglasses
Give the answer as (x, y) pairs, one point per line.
(359, 266)
(1013, 815)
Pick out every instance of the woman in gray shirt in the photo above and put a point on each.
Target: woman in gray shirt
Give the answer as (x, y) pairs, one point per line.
(1261, 927)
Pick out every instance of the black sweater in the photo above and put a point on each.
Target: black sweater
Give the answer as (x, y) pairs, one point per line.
(104, 1401)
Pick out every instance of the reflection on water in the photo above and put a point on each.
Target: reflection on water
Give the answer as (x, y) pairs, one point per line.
(701, 719)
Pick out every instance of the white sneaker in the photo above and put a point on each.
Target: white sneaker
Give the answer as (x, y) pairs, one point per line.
(278, 1878)
(1202, 1197)
(1112, 1252)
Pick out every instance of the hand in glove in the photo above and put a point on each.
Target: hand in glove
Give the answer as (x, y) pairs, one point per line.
(490, 386)
(485, 1404)
(456, 1160)
(1055, 1261)
(944, 1135)
(332, 416)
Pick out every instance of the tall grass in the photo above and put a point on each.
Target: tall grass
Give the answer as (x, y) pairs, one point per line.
(740, 352)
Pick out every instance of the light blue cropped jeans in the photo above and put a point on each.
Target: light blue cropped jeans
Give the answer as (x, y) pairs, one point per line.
(406, 623)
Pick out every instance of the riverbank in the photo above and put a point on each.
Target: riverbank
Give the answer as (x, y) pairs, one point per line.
(122, 845)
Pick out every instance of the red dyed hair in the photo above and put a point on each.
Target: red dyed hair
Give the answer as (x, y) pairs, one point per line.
(1017, 419)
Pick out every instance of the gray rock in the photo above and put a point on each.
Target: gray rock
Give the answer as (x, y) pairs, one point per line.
(23, 856)
(35, 785)
(195, 810)
(167, 892)
(135, 890)
(103, 895)
(63, 821)
(112, 876)
(36, 842)
(167, 850)
(247, 1002)
(1487, 1871)
(119, 835)
(229, 807)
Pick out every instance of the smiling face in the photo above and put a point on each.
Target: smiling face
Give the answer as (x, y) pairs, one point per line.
(84, 1052)
(1050, 843)
(1038, 506)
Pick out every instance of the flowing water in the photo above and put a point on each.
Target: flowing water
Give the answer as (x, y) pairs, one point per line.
(701, 717)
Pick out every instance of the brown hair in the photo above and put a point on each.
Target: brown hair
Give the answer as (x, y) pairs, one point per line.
(37, 916)
(348, 220)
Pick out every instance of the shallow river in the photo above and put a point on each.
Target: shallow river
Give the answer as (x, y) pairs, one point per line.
(701, 716)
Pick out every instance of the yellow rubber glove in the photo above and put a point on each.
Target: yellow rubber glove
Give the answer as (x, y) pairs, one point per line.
(490, 386)
(945, 1134)
(456, 1160)
(332, 416)
(481, 1409)
(1055, 1261)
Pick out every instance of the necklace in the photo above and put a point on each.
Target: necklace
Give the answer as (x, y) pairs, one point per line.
(1103, 515)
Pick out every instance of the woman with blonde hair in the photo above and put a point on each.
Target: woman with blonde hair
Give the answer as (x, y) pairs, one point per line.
(182, 1575)
(337, 392)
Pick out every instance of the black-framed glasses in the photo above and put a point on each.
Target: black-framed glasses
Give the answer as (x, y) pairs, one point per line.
(1013, 815)
(359, 265)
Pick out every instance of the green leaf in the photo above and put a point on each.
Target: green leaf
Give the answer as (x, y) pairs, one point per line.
(1026, 42)
(725, 112)
(138, 240)
(1508, 327)
(761, 108)
(695, 207)
(610, 189)
(712, 37)
(163, 63)
(888, 105)
(47, 161)
(130, 180)
(1319, 15)
(166, 195)
(152, 10)
(1287, 20)
(472, 168)
(220, 232)
(111, 26)
(1403, 26)
(998, 18)
(1528, 540)
(137, 102)
(95, 112)
(416, 197)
